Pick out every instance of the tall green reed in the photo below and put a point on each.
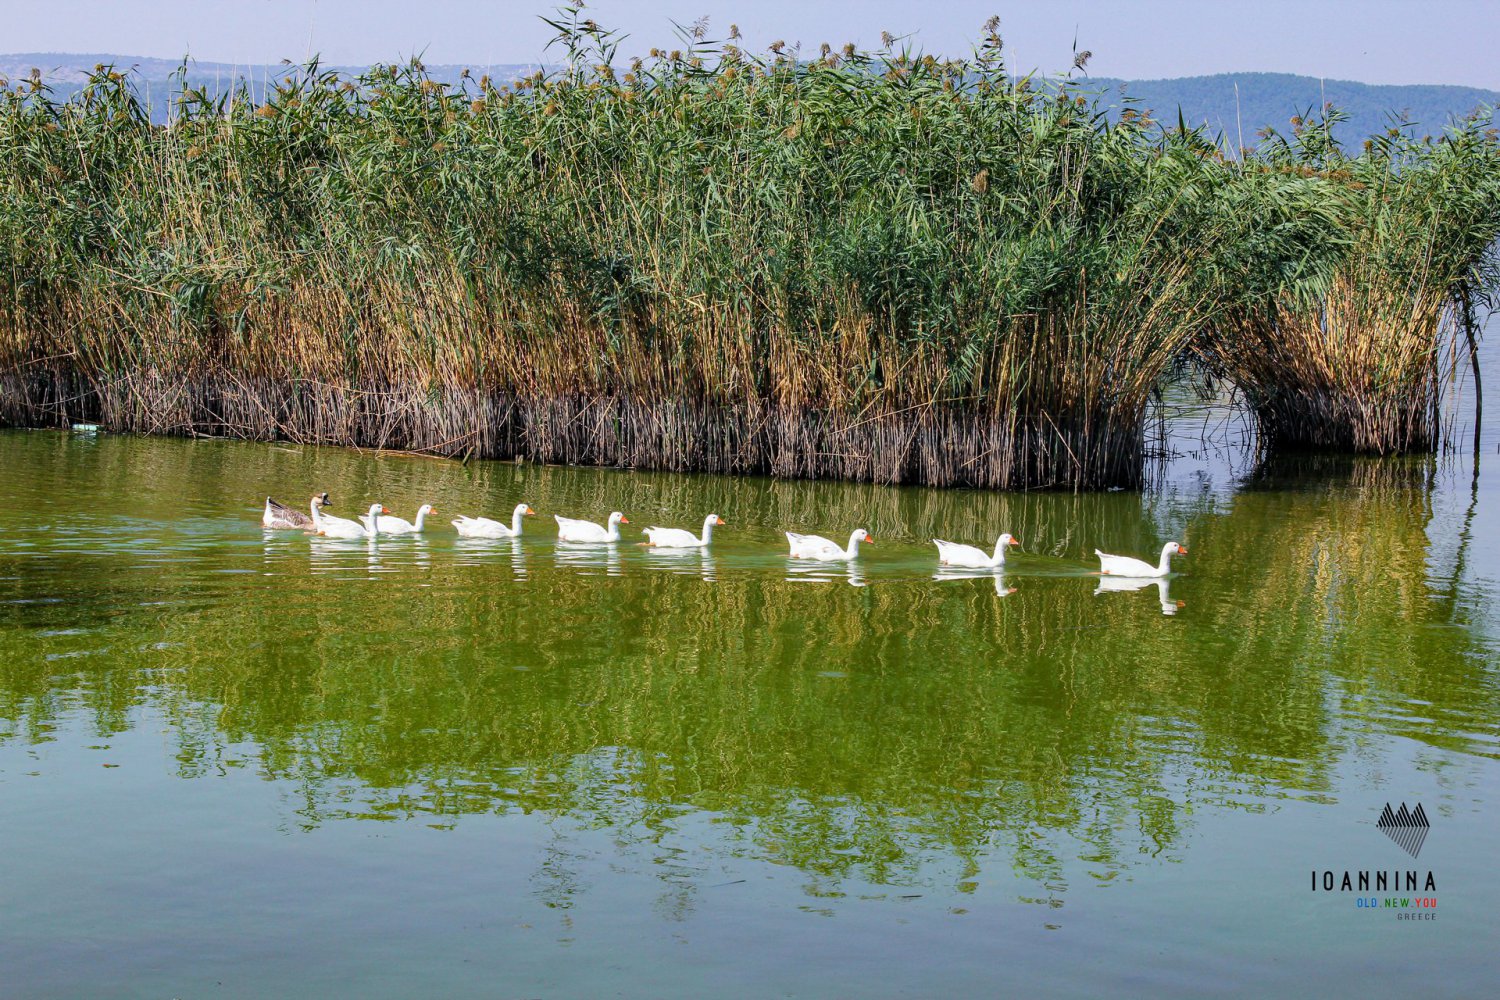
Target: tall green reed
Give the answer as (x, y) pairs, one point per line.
(875, 265)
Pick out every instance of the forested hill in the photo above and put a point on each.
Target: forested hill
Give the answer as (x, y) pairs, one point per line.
(65, 72)
(1273, 98)
(1262, 99)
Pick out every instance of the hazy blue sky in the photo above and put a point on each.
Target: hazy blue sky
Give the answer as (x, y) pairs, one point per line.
(1377, 41)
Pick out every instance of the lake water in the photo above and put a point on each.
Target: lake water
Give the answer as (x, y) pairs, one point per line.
(241, 764)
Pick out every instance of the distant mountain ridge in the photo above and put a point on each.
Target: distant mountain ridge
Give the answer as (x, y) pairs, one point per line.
(1271, 99)
(65, 72)
(70, 68)
(1261, 99)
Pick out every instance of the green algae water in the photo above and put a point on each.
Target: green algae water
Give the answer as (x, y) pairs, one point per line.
(239, 763)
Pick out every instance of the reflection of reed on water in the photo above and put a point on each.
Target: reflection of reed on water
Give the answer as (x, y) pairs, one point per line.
(1337, 598)
(847, 731)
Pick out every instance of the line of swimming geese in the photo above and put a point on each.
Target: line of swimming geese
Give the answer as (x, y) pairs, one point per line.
(379, 521)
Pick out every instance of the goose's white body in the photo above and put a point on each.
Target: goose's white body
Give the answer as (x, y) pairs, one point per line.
(570, 530)
(1139, 568)
(390, 525)
(680, 538)
(818, 547)
(279, 516)
(342, 527)
(484, 527)
(953, 554)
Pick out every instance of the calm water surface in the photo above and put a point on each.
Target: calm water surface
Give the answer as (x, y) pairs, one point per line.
(239, 764)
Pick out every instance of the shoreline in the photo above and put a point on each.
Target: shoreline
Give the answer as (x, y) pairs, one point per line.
(936, 446)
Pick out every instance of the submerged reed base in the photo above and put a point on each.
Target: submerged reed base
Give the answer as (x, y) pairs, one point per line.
(933, 447)
(1361, 369)
(1312, 420)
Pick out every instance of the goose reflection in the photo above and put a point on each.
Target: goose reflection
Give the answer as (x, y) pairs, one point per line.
(689, 562)
(589, 557)
(1119, 584)
(826, 572)
(276, 546)
(477, 551)
(336, 556)
(341, 555)
(948, 573)
(374, 564)
(421, 552)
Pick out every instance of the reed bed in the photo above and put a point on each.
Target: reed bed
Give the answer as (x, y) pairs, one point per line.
(1358, 355)
(868, 265)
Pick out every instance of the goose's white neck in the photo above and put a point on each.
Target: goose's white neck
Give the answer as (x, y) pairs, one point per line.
(374, 527)
(421, 516)
(515, 519)
(998, 559)
(1167, 551)
(708, 529)
(614, 528)
(853, 549)
(317, 516)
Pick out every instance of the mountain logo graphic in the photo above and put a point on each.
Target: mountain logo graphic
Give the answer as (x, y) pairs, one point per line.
(1407, 829)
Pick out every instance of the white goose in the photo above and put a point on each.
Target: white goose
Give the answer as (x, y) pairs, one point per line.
(570, 530)
(342, 527)
(953, 554)
(680, 538)
(818, 547)
(484, 527)
(1139, 568)
(390, 525)
(279, 516)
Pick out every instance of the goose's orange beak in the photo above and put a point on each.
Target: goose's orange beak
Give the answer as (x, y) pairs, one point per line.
(869, 540)
(719, 520)
(385, 510)
(1014, 542)
(1181, 551)
(624, 520)
(529, 512)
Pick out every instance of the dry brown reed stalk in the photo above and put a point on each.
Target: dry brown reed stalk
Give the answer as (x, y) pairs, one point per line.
(1363, 373)
(1356, 356)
